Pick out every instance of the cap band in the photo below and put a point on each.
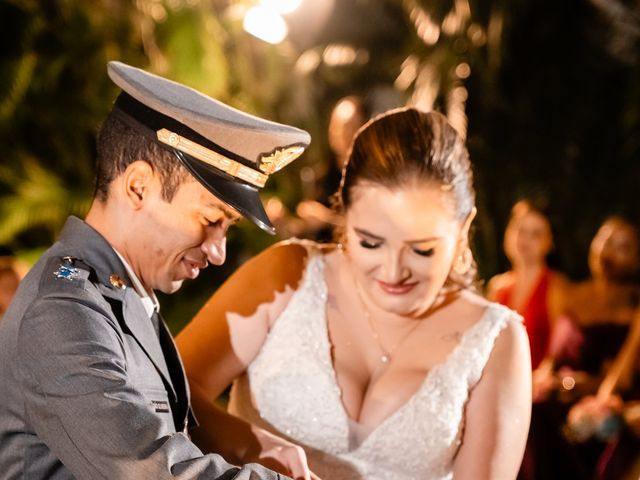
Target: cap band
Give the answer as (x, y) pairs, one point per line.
(151, 123)
(210, 157)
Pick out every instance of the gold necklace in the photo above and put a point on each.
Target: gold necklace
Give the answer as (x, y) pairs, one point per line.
(386, 355)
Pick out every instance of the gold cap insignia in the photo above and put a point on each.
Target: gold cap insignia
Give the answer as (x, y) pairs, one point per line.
(279, 159)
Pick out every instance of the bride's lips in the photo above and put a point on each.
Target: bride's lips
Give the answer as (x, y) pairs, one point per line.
(396, 288)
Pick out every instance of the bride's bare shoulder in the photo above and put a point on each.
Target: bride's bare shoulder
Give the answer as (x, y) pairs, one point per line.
(470, 307)
(284, 262)
(311, 247)
(511, 344)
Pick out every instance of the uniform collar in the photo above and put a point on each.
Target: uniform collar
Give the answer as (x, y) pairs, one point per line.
(81, 240)
(149, 300)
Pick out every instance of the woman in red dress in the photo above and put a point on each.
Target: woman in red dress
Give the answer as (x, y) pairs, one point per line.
(535, 291)
(530, 287)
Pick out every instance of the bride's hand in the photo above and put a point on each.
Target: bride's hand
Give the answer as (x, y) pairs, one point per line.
(282, 456)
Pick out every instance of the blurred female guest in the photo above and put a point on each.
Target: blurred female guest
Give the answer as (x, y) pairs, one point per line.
(375, 354)
(601, 309)
(613, 414)
(530, 287)
(315, 217)
(595, 324)
(347, 116)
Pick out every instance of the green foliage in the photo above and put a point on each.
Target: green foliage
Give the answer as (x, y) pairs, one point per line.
(54, 95)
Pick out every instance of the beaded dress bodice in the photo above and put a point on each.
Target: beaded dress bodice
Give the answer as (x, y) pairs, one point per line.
(291, 389)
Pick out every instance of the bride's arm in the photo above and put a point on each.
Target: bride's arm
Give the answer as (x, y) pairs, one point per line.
(223, 339)
(498, 412)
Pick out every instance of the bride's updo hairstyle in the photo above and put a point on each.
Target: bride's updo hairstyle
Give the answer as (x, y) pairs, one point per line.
(408, 147)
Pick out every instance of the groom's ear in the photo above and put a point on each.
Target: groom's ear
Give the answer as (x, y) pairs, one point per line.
(136, 183)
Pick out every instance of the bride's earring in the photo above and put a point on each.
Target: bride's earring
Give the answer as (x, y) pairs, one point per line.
(463, 261)
(342, 243)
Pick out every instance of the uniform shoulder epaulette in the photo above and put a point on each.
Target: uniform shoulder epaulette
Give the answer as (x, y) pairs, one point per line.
(72, 268)
(67, 278)
(62, 272)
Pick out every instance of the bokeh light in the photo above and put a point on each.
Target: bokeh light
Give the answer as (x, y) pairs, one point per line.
(266, 24)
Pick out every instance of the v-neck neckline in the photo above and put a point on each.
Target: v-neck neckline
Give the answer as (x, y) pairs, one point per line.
(412, 398)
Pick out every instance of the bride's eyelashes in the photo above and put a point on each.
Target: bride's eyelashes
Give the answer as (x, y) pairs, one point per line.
(369, 244)
(425, 253)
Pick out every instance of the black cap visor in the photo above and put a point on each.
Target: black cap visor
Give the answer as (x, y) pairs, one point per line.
(241, 196)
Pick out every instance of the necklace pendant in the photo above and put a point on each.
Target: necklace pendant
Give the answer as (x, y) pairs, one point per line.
(385, 358)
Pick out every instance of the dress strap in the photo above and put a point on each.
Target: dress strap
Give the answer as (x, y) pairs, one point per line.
(477, 342)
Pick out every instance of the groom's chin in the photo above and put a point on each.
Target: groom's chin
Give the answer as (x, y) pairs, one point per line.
(171, 287)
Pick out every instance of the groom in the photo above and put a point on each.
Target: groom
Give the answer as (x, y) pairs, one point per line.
(91, 385)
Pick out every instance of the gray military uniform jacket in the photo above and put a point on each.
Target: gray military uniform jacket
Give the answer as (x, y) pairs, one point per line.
(89, 388)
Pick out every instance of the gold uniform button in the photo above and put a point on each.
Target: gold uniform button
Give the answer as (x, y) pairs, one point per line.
(117, 281)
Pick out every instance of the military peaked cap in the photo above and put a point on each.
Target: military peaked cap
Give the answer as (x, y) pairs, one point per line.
(231, 153)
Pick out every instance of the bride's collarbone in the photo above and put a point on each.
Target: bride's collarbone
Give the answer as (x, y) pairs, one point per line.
(420, 350)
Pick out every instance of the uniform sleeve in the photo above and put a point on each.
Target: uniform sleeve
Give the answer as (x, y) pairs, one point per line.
(81, 403)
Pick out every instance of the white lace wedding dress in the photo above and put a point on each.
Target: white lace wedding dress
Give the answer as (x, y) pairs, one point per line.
(291, 390)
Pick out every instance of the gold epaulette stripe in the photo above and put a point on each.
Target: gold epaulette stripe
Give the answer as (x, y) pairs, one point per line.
(210, 157)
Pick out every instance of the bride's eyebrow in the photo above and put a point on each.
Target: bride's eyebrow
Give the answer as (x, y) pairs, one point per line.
(365, 233)
(424, 240)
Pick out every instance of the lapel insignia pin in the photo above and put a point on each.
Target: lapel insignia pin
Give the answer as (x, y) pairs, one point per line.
(117, 281)
(66, 272)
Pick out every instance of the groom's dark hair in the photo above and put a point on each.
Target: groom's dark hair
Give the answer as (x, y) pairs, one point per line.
(119, 145)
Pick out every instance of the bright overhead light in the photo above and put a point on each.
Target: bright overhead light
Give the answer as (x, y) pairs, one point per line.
(283, 7)
(265, 24)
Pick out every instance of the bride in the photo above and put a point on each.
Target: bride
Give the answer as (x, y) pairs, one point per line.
(373, 358)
